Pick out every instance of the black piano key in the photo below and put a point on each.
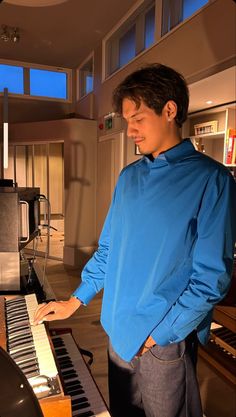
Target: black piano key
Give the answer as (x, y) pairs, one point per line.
(22, 345)
(19, 342)
(66, 365)
(19, 330)
(19, 335)
(16, 299)
(29, 362)
(29, 368)
(73, 383)
(23, 351)
(31, 374)
(14, 316)
(21, 358)
(69, 372)
(80, 400)
(13, 306)
(16, 309)
(80, 406)
(70, 376)
(74, 392)
(61, 352)
(19, 325)
(84, 414)
(58, 343)
(64, 359)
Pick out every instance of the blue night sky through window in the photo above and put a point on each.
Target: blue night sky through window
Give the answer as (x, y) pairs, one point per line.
(89, 84)
(191, 6)
(149, 28)
(48, 83)
(11, 77)
(127, 47)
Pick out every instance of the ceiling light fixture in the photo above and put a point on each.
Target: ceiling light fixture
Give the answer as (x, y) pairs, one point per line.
(34, 3)
(209, 102)
(9, 33)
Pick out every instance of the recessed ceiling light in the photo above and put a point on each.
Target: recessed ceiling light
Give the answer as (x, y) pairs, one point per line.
(209, 102)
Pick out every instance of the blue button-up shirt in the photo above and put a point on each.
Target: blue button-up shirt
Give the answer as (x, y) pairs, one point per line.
(166, 249)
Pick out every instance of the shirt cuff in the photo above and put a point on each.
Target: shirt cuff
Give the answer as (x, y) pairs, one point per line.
(84, 293)
(163, 335)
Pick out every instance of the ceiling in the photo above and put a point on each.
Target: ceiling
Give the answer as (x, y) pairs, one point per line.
(60, 35)
(65, 33)
(219, 88)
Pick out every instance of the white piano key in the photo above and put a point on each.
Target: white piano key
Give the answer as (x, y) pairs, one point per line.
(41, 343)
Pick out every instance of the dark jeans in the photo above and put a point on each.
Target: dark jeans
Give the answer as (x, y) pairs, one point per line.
(160, 383)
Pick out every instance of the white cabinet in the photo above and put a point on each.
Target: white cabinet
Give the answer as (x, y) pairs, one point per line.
(213, 144)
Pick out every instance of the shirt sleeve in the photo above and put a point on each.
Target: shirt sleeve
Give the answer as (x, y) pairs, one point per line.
(212, 262)
(94, 271)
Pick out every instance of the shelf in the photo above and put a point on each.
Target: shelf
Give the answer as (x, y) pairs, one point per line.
(215, 144)
(217, 135)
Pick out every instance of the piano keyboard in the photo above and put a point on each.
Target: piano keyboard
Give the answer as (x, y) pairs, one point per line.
(220, 352)
(78, 382)
(226, 339)
(29, 346)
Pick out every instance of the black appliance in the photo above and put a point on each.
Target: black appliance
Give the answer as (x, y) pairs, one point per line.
(19, 222)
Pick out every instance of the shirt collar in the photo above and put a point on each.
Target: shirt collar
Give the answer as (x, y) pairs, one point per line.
(183, 149)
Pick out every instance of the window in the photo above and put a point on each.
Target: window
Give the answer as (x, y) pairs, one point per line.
(127, 47)
(28, 80)
(136, 34)
(85, 74)
(149, 28)
(176, 11)
(11, 77)
(191, 6)
(48, 83)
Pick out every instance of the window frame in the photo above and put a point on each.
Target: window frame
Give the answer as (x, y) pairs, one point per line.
(26, 80)
(80, 97)
(158, 37)
(177, 13)
(136, 15)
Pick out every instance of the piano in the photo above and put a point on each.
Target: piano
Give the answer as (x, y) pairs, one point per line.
(77, 380)
(53, 366)
(220, 352)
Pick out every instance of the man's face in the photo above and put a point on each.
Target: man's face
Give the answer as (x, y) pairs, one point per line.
(151, 132)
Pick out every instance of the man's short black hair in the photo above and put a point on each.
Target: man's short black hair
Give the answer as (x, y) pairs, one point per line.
(154, 84)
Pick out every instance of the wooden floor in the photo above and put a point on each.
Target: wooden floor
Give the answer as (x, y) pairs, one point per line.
(218, 397)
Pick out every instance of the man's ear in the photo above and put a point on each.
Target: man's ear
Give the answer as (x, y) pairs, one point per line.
(170, 110)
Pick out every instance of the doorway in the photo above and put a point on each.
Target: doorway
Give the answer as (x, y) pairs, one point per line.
(41, 165)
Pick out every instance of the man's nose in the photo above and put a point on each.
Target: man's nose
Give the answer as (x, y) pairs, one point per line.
(131, 130)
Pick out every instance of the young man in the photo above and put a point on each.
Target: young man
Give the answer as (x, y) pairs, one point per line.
(165, 254)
